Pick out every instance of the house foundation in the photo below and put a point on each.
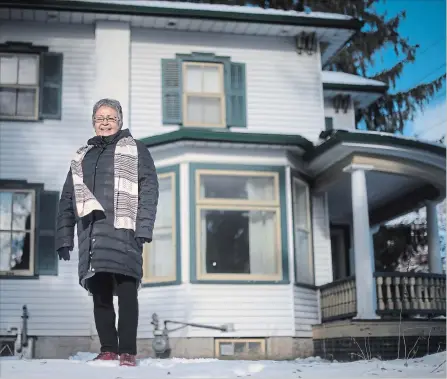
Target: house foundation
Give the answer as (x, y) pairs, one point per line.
(275, 348)
(350, 340)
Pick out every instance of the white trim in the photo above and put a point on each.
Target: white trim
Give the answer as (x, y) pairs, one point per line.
(227, 159)
(355, 167)
(185, 221)
(148, 278)
(307, 229)
(290, 226)
(273, 206)
(337, 77)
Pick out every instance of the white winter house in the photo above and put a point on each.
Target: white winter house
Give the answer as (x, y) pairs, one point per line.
(262, 222)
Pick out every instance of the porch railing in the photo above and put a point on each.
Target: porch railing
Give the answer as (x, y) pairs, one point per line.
(338, 299)
(410, 294)
(398, 294)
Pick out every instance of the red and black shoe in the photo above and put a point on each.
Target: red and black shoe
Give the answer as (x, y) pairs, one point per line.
(106, 356)
(128, 360)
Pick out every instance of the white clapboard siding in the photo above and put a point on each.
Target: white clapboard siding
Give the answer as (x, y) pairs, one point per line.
(170, 303)
(340, 120)
(255, 310)
(40, 152)
(306, 310)
(283, 88)
(322, 241)
(57, 306)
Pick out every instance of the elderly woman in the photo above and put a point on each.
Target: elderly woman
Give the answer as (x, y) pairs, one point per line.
(111, 194)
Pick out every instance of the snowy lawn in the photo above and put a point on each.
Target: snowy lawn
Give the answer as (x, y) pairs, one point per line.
(79, 367)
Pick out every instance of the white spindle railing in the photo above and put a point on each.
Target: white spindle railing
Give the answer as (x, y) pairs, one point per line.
(338, 299)
(410, 293)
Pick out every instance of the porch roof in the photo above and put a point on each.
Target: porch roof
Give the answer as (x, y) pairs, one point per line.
(376, 139)
(402, 173)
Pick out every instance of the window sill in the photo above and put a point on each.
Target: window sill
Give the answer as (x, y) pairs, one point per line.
(6, 276)
(160, 284)
(19, 119)
(305, 285)
(235, 281)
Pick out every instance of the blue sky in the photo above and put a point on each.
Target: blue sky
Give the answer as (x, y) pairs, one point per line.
(425, 24)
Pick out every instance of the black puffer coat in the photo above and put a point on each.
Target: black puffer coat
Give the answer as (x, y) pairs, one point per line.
(102, 247)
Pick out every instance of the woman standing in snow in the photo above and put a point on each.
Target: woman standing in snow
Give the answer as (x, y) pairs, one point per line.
(111, 193)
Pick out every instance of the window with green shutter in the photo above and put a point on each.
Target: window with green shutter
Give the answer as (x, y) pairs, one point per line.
(47, 259)
(203, 90)
(27, 229)
(30, 82)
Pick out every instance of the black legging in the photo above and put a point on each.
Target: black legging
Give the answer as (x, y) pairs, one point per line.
(102, 286)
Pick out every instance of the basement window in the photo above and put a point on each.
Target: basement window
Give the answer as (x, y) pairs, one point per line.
(240, 348)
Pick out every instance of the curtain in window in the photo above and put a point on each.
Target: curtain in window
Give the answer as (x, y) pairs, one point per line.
(161, 257)
(303, 258)
(262, 232)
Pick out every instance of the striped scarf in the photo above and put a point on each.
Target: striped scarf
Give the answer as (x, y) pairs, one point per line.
(126, 184)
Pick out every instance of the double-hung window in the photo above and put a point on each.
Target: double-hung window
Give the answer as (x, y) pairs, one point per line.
(202, 90)
(30, 83)
(203, 94)
(19, 86)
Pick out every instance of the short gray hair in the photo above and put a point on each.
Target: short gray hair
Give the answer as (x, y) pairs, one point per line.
(115, 104)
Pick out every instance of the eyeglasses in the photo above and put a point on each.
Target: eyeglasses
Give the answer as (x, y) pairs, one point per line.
(102, 119)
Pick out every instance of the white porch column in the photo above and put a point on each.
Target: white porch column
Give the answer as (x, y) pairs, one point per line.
(112, 52)
(363, 250)
(434, 249)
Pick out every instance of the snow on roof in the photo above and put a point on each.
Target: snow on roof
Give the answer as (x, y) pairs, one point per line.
(334, 77)
(220, 8)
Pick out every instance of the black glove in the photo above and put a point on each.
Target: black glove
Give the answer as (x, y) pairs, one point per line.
(64, 253)
(142, 240)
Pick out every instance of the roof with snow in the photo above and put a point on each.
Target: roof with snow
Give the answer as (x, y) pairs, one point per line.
(349, 80)
(363, 91)
(332, 30)
(219, 8)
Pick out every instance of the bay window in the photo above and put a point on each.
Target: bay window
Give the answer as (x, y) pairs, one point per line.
(304, 267)
(238, 225)
(160, 257)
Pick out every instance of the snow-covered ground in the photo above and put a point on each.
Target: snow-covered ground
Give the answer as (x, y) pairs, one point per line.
(78, 367)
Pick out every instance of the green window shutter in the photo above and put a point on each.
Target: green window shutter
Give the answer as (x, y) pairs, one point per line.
(235, 90)
(47, 259)
(171, 91)
(50, 103)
